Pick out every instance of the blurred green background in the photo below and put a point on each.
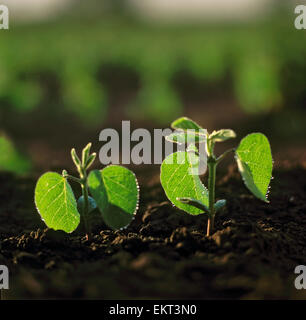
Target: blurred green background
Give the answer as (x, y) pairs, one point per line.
(68, 69)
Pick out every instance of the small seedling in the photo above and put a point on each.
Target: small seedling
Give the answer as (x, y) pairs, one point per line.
(114, 191)
(187, 192)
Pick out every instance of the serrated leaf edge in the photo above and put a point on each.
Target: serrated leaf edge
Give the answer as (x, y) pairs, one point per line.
(41, 217)
(138, 195)
(171, 201)
(266, 200)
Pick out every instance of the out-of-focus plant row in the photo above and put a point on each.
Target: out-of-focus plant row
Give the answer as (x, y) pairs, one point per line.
(263, 64)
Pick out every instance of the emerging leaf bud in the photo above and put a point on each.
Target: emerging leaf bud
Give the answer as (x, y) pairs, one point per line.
(75, 158)
(85, 154)
(90, 160)
(222, 135)
(64, 173)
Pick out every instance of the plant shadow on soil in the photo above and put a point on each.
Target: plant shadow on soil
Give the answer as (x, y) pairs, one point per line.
(164, 252)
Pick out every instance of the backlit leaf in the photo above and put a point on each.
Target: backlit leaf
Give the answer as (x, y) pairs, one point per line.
(115, 191)
(185, 123)
(255, 164)
(187, 137)
(178, 182)
(222, 135)
(56, 203)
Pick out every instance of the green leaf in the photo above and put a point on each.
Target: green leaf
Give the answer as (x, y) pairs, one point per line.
(187, 137)
(196, 203)
(91, 204)
(178, 182)
(219, 205)
(185, 123)
(255, 164)
(115, 190)
(56, 203)
(222, 135)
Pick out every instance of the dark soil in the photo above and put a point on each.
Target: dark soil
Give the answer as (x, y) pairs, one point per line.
(164, 253)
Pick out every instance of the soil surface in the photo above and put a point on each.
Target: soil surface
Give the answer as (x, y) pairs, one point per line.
(164, 252)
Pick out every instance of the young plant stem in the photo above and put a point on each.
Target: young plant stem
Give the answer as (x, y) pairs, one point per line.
(86, 203)
(84, 185)
(212, 164)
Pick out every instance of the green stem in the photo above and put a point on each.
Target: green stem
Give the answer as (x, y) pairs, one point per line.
(87, 161)
(86, 205)
(212, 164)
(225, 154)
(75, 179)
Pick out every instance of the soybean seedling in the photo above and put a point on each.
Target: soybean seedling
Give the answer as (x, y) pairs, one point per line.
(187, 192)
(113, 190)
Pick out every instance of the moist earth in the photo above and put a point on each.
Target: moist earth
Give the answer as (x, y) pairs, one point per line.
(164, 253)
